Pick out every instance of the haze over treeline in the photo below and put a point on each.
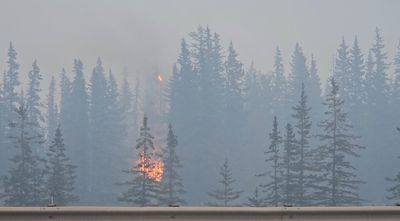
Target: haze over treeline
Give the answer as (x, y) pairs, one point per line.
(212, 129)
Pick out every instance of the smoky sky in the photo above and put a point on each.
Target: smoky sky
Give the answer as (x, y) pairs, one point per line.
(145, 35)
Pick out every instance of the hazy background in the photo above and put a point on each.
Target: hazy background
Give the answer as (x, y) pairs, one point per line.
(145, 35)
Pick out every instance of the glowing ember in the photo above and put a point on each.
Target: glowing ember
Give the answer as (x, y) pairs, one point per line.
(155, 172)
(159, 77)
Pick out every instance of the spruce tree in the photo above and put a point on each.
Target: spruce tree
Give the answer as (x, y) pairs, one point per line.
(172, 182)
(337, 183)
(226, 194)
(273, 187)
(291, 180)
(33, 101)
(143, 190)
(25, 184)
(60, 172)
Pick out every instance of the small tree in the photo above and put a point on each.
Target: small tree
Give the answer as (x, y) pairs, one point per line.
(172, 181)
(227, 194)
(255, 200)
(61, 174)
(143, 189)
(24, 185)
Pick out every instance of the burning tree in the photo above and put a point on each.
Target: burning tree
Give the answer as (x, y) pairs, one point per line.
(144, 188)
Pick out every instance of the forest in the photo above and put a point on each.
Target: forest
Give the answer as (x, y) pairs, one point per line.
(212, 132)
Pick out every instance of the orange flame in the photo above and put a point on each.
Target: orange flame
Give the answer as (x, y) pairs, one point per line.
(159, 77)
(156, 171)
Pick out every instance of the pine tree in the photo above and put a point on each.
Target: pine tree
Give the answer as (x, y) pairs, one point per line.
(143, 190)
(273, 188)
(291, 181)
(24, 185)
(255, 200)
(60, 173)
(172, 181)
(305, 159)
(338, 182)
(226, 195)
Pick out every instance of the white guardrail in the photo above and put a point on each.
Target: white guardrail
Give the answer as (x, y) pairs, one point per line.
(391, 213)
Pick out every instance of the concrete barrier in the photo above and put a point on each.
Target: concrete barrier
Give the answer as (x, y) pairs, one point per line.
(200, 213)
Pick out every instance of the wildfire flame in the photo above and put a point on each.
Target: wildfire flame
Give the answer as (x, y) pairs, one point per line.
(159, 77)
(156, 171)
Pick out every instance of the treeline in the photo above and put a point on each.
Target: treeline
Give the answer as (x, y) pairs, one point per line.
(322, 148)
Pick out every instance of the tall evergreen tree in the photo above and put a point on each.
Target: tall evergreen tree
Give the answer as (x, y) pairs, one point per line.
(273, 188)
(142, 190)
(33, 102)
(314, 91)
(305, 158)
(24, 185)
(77, 132)
(338, 182)
(60, 173)
(172, 181)
(226, 195)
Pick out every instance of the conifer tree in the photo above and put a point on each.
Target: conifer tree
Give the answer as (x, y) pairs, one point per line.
(338, 183)
(279, 86)
(142, 190)
(305, 158)
(255, 200)
(290, 178)
(342, 69)
(60, 172)
(10, 84)
(33, 102)
(77, 132)
(298, 75)
(172, 181)
(226, 194)
(273, 188)
(357, 91)
(52, 111)
(25, 184)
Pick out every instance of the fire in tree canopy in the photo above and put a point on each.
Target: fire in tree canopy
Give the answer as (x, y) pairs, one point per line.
(144, 188)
